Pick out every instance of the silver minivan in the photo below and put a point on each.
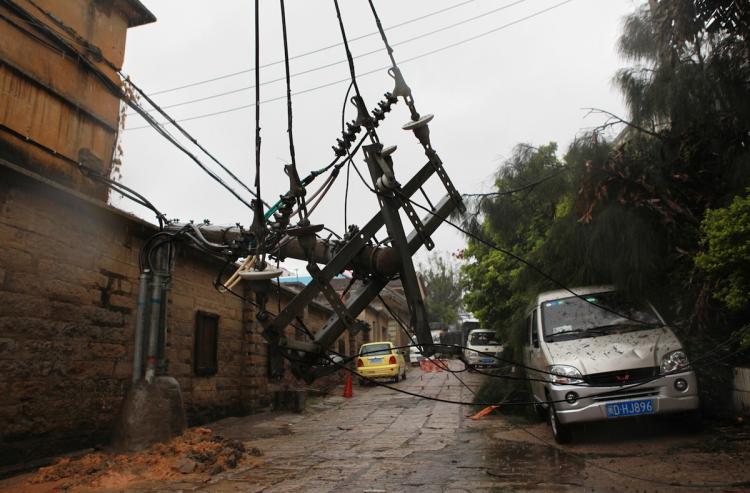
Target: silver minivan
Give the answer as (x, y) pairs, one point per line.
(597, 356)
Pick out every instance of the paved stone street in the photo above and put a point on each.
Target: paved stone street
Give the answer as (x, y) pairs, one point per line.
(382, 441)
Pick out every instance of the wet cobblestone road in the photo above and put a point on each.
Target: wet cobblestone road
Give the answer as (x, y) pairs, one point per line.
(381, 441)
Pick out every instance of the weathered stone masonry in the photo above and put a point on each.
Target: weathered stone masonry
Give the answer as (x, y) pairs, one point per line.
(68, 281)
(68, 293)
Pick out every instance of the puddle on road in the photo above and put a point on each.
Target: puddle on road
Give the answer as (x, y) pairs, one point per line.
(525, 463)
(271, 430)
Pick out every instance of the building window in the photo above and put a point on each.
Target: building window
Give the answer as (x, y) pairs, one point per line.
(206, 353)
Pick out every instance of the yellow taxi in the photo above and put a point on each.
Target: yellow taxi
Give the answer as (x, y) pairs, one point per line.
(380, 360)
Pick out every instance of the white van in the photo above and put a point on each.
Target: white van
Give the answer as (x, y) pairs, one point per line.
(596, 356)
(483, 349)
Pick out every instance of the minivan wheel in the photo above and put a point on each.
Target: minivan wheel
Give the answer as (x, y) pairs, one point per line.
(560, 431)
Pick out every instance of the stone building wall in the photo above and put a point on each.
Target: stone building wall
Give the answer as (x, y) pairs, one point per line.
(68, 293)
(206, 397)
(67, 280)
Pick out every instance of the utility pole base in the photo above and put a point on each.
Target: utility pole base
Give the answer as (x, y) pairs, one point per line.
(151, 413)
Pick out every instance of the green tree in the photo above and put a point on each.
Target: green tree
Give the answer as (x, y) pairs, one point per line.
(441, 279)
(686, 148)
(725, 236)
(653, 211)
(534, 191)
(629, 211)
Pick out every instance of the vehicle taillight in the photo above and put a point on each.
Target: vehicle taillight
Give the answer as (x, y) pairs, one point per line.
(392, 360)
(360, 363)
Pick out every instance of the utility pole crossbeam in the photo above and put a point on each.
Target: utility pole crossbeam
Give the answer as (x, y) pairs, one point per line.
(381, 171)
(308, 359)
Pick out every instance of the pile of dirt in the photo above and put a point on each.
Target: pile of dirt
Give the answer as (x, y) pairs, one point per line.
(197, 452)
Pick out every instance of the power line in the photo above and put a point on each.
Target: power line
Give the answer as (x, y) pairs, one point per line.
(312, 52)
(579, 457)
(112, 86)
(377, 70)
(338, 62)
(506, 252)
(519, 189)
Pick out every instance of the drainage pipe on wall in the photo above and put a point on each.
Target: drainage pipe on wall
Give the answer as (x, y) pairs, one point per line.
(155, 292)
(141, 324)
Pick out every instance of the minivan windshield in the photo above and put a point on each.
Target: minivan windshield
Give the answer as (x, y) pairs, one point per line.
(594, 314)
(483, 339)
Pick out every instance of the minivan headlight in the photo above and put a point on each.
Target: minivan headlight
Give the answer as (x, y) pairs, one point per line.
(673, 361)
(564, 375)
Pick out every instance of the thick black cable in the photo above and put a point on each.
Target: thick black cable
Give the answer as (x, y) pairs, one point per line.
(187, 135)
(257, 100)
(343, 107)
(690, 366)
(522, 260)
(300, 200)
(119, 188)
(114, 88)
(130, 194)
(583, 459)
(508, 253)
(346, 196)
(501, 193)
(522, 365)
(521, 188)
(259, 220)
(524, 403)
(349, 57)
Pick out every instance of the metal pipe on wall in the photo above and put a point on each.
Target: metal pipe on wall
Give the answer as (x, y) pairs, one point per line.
(140, 324)
(153, 327)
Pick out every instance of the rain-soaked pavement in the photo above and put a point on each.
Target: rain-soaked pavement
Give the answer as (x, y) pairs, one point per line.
(382, 441)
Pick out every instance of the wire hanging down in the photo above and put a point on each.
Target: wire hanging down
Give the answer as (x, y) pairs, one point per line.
(258, 227)
(295, 186)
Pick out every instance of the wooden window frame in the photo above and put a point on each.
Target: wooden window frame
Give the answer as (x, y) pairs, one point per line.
(202, 368)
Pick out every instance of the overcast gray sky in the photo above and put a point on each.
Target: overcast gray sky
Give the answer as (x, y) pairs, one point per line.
(526, 82)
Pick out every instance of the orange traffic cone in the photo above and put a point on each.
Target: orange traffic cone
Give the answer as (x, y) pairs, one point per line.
(348, 385)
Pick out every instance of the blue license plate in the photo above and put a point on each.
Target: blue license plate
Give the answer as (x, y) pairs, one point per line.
(630, 408)
(376, 360)
(488, 361)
